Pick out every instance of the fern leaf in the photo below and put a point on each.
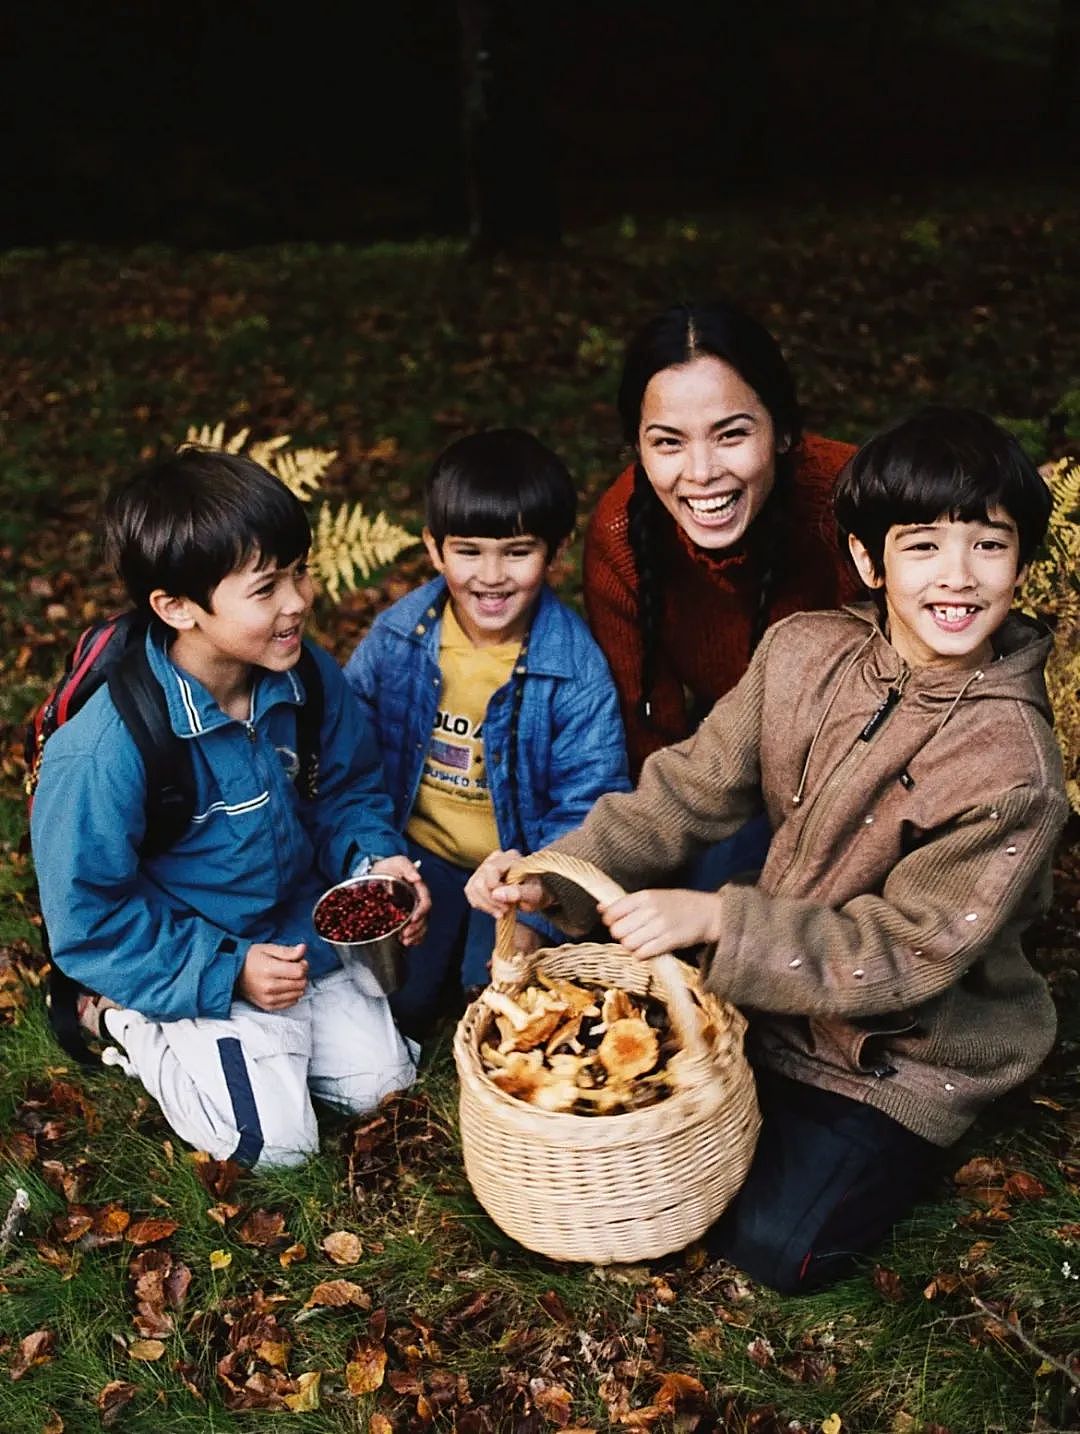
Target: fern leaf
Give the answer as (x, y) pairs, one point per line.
(207, 437)
(348, 542)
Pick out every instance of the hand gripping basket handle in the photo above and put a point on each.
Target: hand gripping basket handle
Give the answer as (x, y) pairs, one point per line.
(669, 972)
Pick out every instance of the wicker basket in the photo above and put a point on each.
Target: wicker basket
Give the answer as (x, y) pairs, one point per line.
(632, 1186)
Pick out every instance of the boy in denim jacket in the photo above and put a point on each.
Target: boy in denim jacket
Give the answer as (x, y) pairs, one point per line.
(493, 706)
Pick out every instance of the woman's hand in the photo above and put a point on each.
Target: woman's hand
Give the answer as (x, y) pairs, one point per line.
(651, 923)
(404, 870)
(488, 891)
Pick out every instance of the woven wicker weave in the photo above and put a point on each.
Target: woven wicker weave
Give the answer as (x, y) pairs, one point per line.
(608, 1188)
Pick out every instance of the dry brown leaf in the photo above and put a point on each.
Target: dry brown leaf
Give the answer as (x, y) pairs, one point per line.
(292, 1255)
(554, 1401)
(34, 1349)
(113, 1399)
(680, 1389)
(53, 1423)
(334, 1294)
(149, 1232)
(379, 1424)
(343, 1247)
(262, 1228)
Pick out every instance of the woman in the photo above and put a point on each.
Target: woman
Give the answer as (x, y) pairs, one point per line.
(721, 525)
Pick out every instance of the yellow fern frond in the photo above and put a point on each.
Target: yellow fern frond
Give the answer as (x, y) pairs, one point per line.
(207, 437)
(348, 542)
(301, 470)
(263, 452)
(1051, 590)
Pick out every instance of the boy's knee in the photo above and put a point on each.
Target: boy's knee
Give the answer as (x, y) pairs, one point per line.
(358, 1092)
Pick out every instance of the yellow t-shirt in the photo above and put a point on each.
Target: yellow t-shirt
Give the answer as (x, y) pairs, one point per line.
(453, 815)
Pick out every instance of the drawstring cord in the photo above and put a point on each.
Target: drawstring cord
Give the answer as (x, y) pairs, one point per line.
(797, 798)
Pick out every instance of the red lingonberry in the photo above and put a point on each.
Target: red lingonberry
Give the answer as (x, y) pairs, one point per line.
(359, 913)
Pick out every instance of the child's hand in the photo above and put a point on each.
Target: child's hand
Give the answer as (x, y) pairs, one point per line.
(487, 891)
(402, 867)
(273, 977)
(650, 923)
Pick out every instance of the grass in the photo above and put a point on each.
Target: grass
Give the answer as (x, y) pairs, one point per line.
(958, 295)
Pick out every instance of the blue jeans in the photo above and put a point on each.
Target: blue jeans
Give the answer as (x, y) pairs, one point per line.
(458, 944)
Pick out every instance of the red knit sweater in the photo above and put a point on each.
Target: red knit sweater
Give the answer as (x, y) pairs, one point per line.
(710, 600)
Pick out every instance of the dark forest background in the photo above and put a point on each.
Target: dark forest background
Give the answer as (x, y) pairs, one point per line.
(214, 123)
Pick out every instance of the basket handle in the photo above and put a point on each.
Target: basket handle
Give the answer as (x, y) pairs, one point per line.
(669, 971)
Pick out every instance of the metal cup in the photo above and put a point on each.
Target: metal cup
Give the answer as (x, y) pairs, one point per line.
(376, 966)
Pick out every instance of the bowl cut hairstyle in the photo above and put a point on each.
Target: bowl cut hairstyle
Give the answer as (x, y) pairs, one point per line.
(502, 483)
(185, 522)
(940, 460)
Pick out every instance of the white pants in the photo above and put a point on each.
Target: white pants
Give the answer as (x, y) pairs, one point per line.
(238, 1088)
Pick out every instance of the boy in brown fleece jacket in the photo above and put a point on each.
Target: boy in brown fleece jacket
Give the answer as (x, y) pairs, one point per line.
(903, 753)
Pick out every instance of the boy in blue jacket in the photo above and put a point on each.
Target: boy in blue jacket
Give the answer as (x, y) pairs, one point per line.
(201, 962)
(493, 706)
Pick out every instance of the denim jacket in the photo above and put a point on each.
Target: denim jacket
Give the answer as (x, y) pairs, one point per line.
(568, 748)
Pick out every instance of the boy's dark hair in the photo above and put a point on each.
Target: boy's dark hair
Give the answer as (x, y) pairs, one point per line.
(187, 521)
(502, 483)
(677, 336)
(939, 460)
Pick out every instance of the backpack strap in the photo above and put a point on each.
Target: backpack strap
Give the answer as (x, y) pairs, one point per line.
(170, 783)
(309, 719)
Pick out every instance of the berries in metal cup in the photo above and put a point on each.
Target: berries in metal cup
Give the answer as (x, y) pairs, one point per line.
(362, 919)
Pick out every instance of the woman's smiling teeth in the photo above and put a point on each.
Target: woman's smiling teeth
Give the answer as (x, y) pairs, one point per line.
(714, 506)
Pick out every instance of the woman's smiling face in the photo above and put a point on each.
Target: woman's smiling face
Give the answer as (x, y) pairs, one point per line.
(708, 446)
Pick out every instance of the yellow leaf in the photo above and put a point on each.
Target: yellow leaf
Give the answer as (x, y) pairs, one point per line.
(307, 1396)
(379, 1424)
(832, 1425)
(146, 1349)
(366, 1370)
(220, 1259)
(291, 1255)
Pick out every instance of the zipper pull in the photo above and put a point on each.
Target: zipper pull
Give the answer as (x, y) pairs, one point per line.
(249, 728)
(892, 697)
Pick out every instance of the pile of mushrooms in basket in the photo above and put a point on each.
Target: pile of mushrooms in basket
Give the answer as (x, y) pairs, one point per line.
(578, 1047)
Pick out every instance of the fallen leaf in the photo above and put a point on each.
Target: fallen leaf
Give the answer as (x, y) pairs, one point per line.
(113, 1399)
(379, 1424)
(275, 1352)
(220, 1259)
(262, 1228)
(680, 1389)
(146, 1349)
(149, 1232)
(761, 1352)
(1022, 1186)
(888, 1284)
(982, 1170)
(222, 1212)
(554, 1401)
(832, 1424)
(337, 1293)
(366, 1368)
(343, 1247)
(53, 1423)
(307, 1395)
(292, 1255)
(34, 1349)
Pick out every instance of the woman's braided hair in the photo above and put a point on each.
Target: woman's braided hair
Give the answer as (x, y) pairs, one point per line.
(677, 336)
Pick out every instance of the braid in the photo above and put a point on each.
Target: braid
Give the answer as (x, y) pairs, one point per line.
(770, 531)
(643, 511)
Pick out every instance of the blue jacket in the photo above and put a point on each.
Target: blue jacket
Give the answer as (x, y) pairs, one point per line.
(570, 748)
(167, 936)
